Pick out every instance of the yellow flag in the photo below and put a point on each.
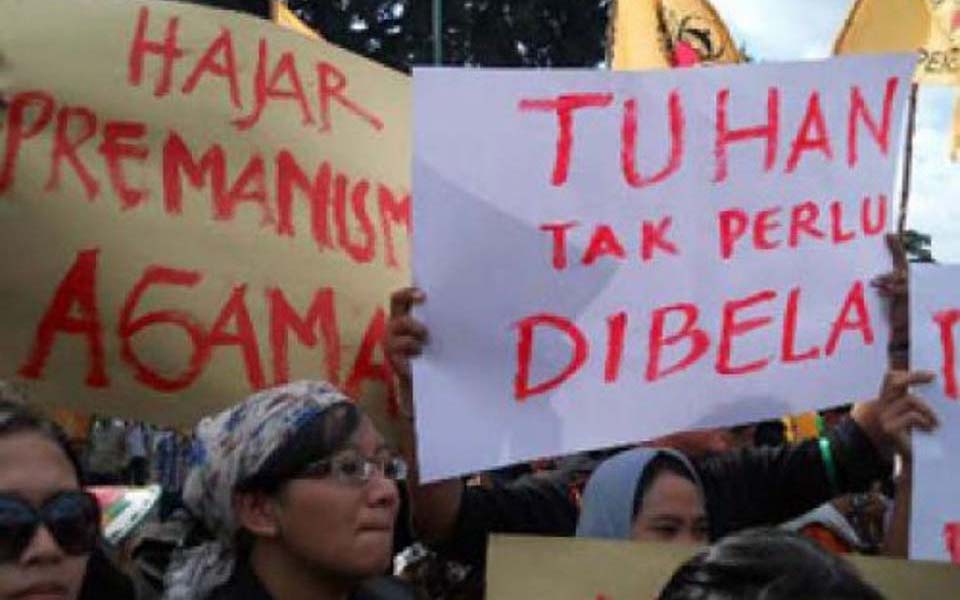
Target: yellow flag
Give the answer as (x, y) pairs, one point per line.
(931, 27)
(284, 17)
(659, 34)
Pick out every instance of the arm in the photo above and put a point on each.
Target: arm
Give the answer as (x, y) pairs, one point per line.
(435, 506)
(449, 515)
(766, 486)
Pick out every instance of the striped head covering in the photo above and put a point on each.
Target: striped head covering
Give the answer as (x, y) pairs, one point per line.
(229, 448)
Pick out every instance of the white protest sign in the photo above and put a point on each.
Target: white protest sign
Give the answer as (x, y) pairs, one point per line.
(934, 345)
(608, 257)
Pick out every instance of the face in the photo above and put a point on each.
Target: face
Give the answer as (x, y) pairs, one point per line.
(342, 528)
(35, 468)
(671, 511)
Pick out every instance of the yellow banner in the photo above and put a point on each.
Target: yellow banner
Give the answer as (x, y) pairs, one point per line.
(930, 26)
(194, 204)
(657, 34)
(520, 568)
(284, 17)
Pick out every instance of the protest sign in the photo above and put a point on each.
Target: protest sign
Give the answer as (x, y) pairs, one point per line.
(935, 345)
(195, 204)
(519, 568)
(609, 257)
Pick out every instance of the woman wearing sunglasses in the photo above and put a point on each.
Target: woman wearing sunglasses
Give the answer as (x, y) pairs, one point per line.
(299, 491)
(49, 527)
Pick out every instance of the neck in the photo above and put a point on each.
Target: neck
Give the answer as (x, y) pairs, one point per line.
(286, 577)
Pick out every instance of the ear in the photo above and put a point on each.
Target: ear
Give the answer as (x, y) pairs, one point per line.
(257, 513)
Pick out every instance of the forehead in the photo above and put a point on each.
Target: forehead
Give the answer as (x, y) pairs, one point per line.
(33, 466)
(366, 438)
(671, 494)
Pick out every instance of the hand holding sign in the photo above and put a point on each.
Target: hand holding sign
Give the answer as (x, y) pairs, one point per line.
(889, 418)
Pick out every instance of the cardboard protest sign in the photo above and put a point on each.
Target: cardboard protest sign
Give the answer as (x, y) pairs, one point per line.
(519, 568)
(195, 204)
(609, 257)
(935, 345)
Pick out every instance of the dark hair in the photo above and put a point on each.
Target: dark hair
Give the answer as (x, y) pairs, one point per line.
(661, 463)
(17, 418)
(318, 437)
(767, 564)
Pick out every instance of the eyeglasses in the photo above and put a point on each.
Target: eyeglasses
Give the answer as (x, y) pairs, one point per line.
(72, 518)
(354, 469)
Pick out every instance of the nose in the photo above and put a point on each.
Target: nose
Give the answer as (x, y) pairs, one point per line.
(43, 548)
(382, 491)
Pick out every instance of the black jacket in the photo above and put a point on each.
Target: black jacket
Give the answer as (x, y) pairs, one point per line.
(748, 488)
(245, 585)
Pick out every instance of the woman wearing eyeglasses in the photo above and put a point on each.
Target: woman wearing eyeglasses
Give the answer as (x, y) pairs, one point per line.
(49, 527)
(299, 490)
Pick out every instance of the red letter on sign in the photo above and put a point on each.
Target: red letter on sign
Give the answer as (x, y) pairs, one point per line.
(628, 143)
(227, 69)
(332, 85)
(364, 367)
(130, 326)
(699, 341)
(17, 132)
(521, 383)
(141, 46)
(564, 106)
(78, 287)
(732, 328)
(265, 90)
(725, 135)
(854, 302)
(807, 140)
(176, 156)
(321, 316)
(244, 335)
(114, 150)
(946, 320)
(733, 224)
(858, 107)
(66, 148)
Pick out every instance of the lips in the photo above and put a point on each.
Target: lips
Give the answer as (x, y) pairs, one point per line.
(42, 590)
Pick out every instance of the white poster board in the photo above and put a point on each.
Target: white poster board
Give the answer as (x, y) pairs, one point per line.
(608, 257)
(935, 345)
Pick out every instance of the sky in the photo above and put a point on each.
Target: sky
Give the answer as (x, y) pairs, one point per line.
(805, 29)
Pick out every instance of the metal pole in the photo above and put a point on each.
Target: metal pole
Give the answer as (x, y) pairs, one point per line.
(907, 160)
(437, 32)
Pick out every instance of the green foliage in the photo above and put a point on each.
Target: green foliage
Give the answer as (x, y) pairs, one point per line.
(490, 33)
(917, 246)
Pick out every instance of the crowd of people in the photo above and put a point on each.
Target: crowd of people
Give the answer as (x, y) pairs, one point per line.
(293, 493)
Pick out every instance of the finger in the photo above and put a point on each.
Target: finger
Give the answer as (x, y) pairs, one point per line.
(406, 347)
(407, 327)
(908, 422)
(403, 299)
(897, 381)
(897, 251)
(909, 404)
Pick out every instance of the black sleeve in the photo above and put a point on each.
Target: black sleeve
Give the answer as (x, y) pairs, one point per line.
(767, 486)
(532, 504)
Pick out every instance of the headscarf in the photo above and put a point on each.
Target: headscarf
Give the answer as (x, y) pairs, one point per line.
(608, 499)
(230, 447)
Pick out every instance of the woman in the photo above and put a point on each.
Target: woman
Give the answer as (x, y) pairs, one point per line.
(49, 526)
(768, 564)
(645, 494)
(299, 491)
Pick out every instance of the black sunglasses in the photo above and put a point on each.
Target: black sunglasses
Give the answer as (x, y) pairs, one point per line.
(72, 518)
